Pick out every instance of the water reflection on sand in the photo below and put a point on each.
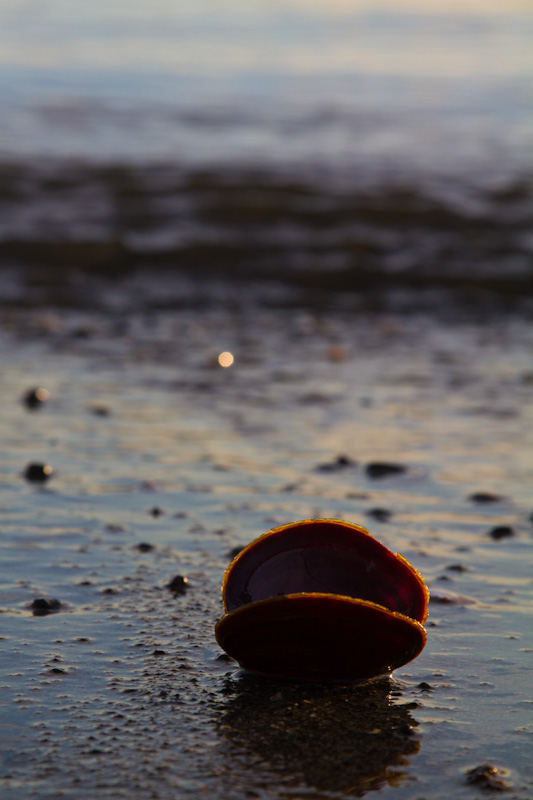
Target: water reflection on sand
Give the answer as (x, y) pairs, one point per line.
(345, 739)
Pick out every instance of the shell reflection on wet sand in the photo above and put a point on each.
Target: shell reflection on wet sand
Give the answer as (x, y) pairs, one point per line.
(321, 599)
(334, 738)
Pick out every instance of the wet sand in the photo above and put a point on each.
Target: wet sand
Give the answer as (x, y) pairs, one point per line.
(164, 462)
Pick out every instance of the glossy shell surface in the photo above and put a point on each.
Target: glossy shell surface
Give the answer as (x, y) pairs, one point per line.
(322, 600)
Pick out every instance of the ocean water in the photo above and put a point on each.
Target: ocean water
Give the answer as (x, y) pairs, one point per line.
(275, 138)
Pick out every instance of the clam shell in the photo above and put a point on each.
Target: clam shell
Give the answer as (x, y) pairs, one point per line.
(322, 600)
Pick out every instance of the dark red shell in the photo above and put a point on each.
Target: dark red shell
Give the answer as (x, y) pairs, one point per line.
(324, 600)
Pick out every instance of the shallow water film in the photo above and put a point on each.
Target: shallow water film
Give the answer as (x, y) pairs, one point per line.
(164, 462)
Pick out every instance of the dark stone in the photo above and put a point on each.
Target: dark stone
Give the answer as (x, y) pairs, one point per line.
(40, 603)
(446, 597)
(501, 532)
(156, 511)
(384, 469)
(144, 547)
(487, 776)
(178, 585)
(159, 653)
(340, 463)
(403, 731)
(35, 398)
(38, 473)
(457, 568)
(42, 606)
(485, 497)
(381, 514)
(425, 687)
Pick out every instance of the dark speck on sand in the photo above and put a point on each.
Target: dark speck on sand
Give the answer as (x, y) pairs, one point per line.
(384, 469)
(501, 532)
(38, 473)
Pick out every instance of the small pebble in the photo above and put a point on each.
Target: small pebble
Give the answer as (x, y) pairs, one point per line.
(485, 497)
(457, 568)
(144, 547)
(403, 731)
(35, 398)
(381, 514)
(42, 606)
(425, 687)
(501, 532)
(340, 463)
(487, 776)
(446, 597)
(38, 473)
(383, 469)
(178, 585)
(156, 511)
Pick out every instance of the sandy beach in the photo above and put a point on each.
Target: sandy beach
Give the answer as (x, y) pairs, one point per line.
(164, 462)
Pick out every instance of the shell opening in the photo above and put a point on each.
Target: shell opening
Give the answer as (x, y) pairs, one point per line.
(325, 556)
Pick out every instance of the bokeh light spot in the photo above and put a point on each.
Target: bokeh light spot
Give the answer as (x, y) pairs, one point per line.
(226, 359)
